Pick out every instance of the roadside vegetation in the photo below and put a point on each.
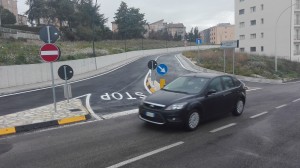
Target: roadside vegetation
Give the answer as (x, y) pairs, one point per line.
(246, 64)
(16, 52)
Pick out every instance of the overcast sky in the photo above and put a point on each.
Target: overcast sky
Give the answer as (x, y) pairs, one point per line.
(192, 13)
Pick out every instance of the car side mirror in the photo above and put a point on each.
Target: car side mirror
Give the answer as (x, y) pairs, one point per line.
(211, 91)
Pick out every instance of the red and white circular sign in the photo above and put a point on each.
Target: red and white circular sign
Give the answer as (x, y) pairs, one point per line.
(50, 53)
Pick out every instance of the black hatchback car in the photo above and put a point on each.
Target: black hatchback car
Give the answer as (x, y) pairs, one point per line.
(192, 98)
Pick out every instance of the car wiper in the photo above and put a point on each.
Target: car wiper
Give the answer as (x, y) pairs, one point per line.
(180, 92)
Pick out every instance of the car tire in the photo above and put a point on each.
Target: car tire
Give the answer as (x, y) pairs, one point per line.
(239, 107)
(192, 120)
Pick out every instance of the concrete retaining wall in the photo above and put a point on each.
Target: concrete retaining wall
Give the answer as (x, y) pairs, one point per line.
(18, 75)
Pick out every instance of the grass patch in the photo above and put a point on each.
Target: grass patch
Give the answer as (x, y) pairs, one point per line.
(20, 51)
(246, 64)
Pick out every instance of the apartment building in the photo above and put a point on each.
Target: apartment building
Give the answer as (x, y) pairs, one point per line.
(221, 32)
(205, 36)
(269, 27)
(11, 5)
(217, 34)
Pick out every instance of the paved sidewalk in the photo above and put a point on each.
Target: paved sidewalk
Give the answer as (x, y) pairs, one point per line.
(43, 117)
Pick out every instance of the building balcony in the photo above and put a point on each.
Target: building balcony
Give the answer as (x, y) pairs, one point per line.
(297, 37)
(297, 7)
(297, 52)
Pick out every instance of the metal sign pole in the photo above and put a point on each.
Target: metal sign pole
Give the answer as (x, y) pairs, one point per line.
(224, 60)
(199, 53)
(52, 74)
(66, 83)
(233, 61)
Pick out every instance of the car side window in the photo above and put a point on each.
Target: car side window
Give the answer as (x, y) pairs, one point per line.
(216, 84)
(228, 82)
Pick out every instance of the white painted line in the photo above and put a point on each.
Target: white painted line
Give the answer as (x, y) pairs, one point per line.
(119, 114)
(145, 82)
(181, 63)
(80, 96)
(258, 115)
(146, 155)
(221, 128)
(49, 53)
(253, 89)
(281, 106)
(89, 108)
(296, 100)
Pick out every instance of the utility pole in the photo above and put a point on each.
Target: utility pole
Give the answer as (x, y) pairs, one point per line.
(0, 15)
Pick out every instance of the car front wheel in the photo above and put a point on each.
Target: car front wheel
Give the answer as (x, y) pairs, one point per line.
(239, 107)
(192, 121)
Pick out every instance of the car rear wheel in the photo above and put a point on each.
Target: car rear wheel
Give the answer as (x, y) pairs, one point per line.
(192, 121)
(239, 107)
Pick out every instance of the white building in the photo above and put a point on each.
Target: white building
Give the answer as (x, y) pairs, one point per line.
(269, 27)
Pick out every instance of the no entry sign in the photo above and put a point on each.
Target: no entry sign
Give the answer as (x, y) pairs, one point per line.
(50, 53)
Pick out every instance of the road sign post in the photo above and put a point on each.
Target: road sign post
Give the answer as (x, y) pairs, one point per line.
(152, 65)
(65, 72)
(230, 45)
(50, 52)
(198, 42)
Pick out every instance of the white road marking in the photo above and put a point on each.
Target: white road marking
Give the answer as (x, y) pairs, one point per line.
(258, 115)
(281, 106)
(146, 155)
(253, 89)
(296, 100)
(88, 106)
(145, 82)
(181, 63)
(18, 93)
(119, 114)
(221, 128)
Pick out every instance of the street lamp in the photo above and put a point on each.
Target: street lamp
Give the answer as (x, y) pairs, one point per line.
(276, 32)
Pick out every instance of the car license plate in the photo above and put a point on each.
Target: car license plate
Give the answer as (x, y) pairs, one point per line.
(149, 114)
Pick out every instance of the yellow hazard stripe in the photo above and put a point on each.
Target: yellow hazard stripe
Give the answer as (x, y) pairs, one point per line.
(5, 131)
(71, 120)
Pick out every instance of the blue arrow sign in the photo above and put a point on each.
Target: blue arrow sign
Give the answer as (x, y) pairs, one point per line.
(162, 69)
(198, 41)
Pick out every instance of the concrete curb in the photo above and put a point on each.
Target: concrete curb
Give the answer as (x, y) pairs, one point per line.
(30, 127)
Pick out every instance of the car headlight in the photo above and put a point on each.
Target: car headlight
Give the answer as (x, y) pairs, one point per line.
(177, 106)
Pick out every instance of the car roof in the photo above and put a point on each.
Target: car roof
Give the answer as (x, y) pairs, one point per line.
(204, 75)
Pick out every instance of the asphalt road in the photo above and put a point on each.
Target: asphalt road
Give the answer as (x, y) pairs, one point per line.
(266, 135)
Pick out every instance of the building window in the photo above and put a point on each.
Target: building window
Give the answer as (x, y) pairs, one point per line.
(242, 24)
(242, 37)
(253, 22)
(297, 4)
(242, 11)
(242, 49)
(253, 9)
(262, 7)
(252, 49)
(253, 36)
(262, 21)
(262, 48)
(261, 35)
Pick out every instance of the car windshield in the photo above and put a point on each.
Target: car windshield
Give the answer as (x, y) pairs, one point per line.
(187, 84)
